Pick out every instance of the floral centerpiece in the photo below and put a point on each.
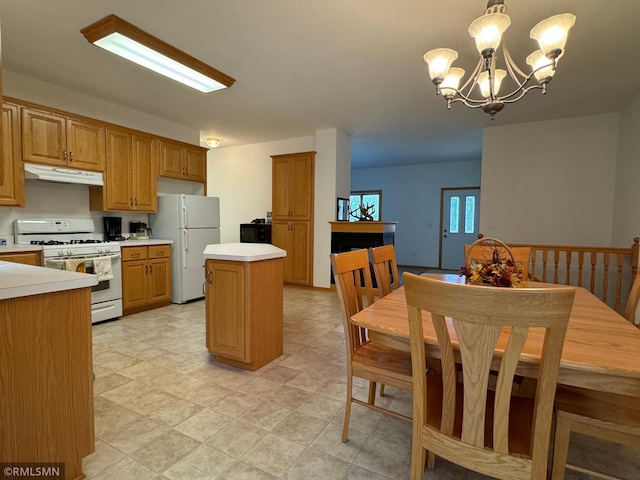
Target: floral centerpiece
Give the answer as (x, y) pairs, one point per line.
(496, 271)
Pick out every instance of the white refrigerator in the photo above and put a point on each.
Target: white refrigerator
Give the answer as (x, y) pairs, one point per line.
(192, 222)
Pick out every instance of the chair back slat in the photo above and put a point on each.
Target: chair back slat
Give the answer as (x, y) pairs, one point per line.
(385, 269)
(449, 372)
(477, 342)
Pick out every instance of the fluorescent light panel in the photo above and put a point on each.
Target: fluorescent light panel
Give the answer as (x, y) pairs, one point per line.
(128, 41)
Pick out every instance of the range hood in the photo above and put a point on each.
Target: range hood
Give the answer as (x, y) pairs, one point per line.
(62, 174)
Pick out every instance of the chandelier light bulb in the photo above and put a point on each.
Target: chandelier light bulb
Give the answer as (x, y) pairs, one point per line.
(551, 34)
(538, 60)
(487, 31)
(213, 142)
(483, 82)
(451, 82)
(439, 61)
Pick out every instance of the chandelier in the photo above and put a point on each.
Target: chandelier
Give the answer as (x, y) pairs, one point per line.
(487, 31)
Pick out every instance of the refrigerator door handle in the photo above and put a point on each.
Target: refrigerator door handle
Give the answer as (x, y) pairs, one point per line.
(186, 247)
(185, 219)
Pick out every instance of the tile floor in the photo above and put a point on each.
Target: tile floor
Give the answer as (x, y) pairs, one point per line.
(164, 409)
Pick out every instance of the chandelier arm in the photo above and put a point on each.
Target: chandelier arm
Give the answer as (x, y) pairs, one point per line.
(473, 76)
(521, 86)
(506, 98)
(510, 63)
(465, 102)
(465, 99)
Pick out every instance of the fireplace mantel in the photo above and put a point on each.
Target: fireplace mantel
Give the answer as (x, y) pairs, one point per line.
(363, 227)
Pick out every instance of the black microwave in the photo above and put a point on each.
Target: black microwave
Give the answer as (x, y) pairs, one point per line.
(255, 232)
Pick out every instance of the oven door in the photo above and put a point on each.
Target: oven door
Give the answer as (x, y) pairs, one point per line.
(106, 296)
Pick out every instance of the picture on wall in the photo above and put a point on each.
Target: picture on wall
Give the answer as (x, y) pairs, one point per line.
(343, 210)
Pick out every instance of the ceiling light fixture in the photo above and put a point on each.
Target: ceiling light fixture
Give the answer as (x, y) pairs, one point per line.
(213, 142)
(128, 41)
(487, 30)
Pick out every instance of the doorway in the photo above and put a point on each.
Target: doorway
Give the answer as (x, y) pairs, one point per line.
(459, 224)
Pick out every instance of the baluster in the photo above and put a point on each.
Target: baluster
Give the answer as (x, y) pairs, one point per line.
(532, 273)
(580, 264)
(594, 259)
(544, 266)
(620, 258)
(605, 279)
(556, 260)
(568, 272)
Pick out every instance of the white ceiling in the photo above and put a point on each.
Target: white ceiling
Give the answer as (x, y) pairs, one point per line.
(307, 65)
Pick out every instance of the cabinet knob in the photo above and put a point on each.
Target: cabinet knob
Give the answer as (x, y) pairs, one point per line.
(131, 201)
(64, 155)
(210, 277)
(136, 198)
(146, 269)
(71, 156)
(150, 268)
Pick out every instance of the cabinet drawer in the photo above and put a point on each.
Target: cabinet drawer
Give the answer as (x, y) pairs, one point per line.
(134, 253)
(159, 251)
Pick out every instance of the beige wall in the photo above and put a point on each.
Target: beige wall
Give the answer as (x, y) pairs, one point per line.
(551, 182)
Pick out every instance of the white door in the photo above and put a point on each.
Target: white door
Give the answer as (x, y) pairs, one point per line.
(460, 223)
(191, 275)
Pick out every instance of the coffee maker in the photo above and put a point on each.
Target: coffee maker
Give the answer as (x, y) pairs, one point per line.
(112, 228)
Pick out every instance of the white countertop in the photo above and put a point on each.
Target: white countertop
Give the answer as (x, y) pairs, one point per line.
(142, 243)
(18, 280)
(243, 252)
(17, 248)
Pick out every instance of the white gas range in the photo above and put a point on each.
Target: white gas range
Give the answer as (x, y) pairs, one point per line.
(67, 242)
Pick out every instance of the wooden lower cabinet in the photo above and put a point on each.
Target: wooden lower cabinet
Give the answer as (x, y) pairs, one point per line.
(146, 277)
(28, 258)
(244, 311)
(295, 238)
(46, 380)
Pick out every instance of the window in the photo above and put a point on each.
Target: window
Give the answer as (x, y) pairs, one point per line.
(371, 199)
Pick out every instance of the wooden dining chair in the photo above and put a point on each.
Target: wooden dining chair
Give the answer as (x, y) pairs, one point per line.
(365, 359)
(490, 432)
(632, 302)
(385, 269)
(603, 415)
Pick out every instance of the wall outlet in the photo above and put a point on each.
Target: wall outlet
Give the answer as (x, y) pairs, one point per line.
(490, 225)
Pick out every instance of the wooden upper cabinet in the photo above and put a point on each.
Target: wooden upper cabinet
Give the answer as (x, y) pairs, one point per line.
(293, 186)
(196, 164)
(145, 174)
(11, 170)
(182, 161)
(54, 139)
(130, 181)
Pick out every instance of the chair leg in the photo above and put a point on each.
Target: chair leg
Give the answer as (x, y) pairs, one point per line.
(431, 460)
(372, 393)
(382, 390)
(417, 458)
(347, 409)
(560, 447)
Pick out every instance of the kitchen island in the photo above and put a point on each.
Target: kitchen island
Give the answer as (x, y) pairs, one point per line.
(46, 381)
(244, 304)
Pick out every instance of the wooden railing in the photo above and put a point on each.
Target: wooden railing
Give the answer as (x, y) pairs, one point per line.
(607, 272)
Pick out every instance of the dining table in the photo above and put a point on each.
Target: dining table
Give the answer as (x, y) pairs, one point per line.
(601, 348)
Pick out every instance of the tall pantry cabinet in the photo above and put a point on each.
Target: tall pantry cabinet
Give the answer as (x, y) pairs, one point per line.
(292, 213)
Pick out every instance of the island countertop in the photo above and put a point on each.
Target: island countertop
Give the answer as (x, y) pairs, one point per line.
(18, 280)
(243, 252)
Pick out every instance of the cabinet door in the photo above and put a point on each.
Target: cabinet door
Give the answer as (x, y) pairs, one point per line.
(85, 145)
(11, 169)
(134, 284)
(301, 193)
(43, 137)
(171, 159)
(195, 163)
(159, 280)
(145, 177)
(281, 238)
(281, 185)
(227, 327)
(119, 172)
(300, 242)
